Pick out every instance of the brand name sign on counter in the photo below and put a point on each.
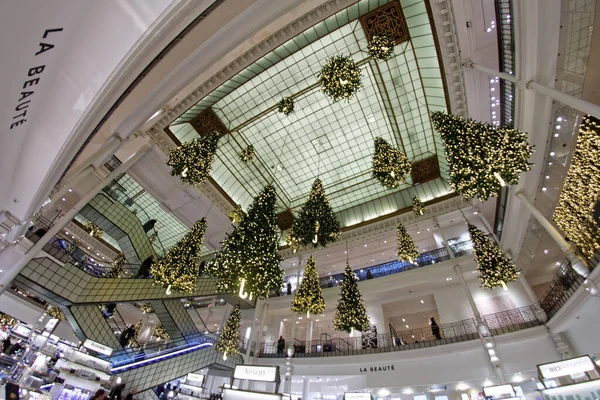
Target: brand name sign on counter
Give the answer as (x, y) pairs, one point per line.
(499, 391)
(255, 373)
(97, 347)
(357, 396)
(567, 367)
(195, 378)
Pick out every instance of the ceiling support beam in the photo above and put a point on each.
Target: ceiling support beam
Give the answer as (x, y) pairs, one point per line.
(571, 101)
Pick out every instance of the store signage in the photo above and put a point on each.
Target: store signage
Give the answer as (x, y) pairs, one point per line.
(97, 347)
(379, 368)
(256, 373)
(51, 324)
(499, 391)
(357, 396)
(567, 367)
(437, 388)
(231, 394)
(196, 378)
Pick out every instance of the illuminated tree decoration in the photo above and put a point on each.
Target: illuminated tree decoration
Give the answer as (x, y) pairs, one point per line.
(247, 154)
(418, 206)
(292, 240)
(7, 320)
(94, 230)
(350, 313)
(192, 160)
(178, 270)
(117, 266)
(309, 296)
(286, 106)
(229, 341)
(316, 223)
(390, 165)
(146, 308)
(56, 312)
(160, 332)
(407, 249)
(580, 194)
(137, 329)
(237, 214)
(381, 46)
(340, 78)
(495, 269)
(248, 262)
(481, 157)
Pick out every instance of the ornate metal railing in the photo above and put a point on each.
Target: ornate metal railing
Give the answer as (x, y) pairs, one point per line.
(506, 55)
(461, 331)
(562, 287)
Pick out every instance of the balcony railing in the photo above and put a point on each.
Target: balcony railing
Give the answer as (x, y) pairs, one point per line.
(460, 249)
(461, 331)
(560, 290)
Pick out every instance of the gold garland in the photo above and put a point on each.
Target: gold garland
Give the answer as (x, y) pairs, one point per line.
(56, 312)
(94, 230)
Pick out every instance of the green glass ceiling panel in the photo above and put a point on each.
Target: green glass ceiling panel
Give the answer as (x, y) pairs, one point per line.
(331, 140)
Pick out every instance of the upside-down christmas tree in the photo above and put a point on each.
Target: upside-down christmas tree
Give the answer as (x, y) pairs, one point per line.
(316, 224)
(192, 160)
(229, 340)
(178, 270)
(495, 269)
(248, 263)
(407, 249)
(390, 165)
(482, 158)
(350, 313)
(309, 296)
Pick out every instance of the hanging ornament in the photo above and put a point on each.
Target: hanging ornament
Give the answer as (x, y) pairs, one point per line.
(160, 332)
(390, 165)
(146, 308)
(495, 269)
(56, 312)
(247, 154)
(316, 223)
(309, 296)
(418, 206)
(94, 230)
(7, 320)
(407, 249)
(350, 312)
(229, 340)
(340, 78)
(192, 160)
(117, 266)
(381, 46)
(237, 214)
(286, 106)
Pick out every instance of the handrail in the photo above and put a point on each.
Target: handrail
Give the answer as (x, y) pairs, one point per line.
(561, 288)
(454, 332)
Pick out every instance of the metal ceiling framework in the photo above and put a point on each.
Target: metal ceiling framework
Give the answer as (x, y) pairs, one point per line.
(331, 140)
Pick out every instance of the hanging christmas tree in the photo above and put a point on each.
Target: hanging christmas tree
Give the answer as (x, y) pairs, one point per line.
(418, 206)
(247, 154)
(340, 78)
(160, 332)
(350, 313)
(292, 240)
(309, 296)
(56, 312)
(390, 165)
(192, 160)
(146, 308)
(248, 262)
(229, 340)
(381, 46)
(407, 249)
(117, 266)
(286, 106)
(495, 269)
(178, 270)
(316, 223)
(575, 211)
(94, 230)
(133, 339)
(481, 157)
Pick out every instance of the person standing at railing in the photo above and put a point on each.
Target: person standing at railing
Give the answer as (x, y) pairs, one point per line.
(435, 329)
(280, 345)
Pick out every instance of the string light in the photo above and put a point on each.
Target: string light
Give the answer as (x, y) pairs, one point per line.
(309, 295)
(229, 340)
(350, 312)
(192, 160)
(407, 249)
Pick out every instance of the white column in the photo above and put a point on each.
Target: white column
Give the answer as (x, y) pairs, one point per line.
(309, 329)
(578, 264)
(579, 104)
(305, 388)
(251, 339)
(465, 287)
(12, 271)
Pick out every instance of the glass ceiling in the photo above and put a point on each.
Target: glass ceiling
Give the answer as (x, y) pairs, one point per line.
(326, 139)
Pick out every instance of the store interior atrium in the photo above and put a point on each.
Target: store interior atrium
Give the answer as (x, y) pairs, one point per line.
(300, 200)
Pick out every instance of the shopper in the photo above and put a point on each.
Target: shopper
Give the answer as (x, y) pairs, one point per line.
(5, 336)
(289, 288)
(144, 271)
(99, 395)
(280, 345)
(117, 392)
(130, 394)
(435, 329)
(126, 335)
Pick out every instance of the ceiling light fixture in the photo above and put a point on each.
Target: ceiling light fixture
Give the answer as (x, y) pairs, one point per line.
(544, 189)
(70, 190)
(552, 153)
(63, 199)
(559, 119)
(546, 251)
